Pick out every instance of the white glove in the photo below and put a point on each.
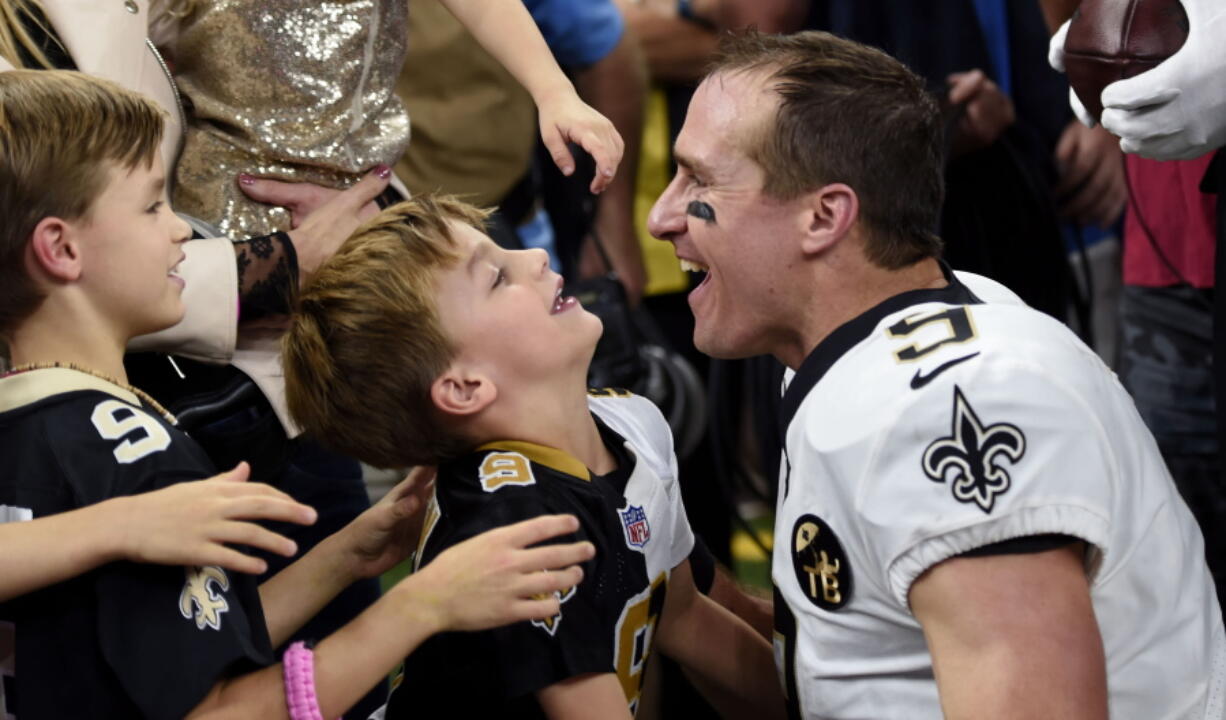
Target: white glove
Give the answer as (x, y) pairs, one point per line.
(1177, 110)
(1055, 57)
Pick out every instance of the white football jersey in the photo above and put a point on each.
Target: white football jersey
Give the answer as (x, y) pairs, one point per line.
(942, 421)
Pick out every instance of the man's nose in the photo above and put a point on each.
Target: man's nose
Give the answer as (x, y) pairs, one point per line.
(667, 216)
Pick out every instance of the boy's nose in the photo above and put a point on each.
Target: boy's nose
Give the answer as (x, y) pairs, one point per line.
(541, 256)
(182, 231)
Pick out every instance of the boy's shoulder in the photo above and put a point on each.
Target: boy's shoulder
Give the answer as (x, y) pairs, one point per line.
(100, 438)
(635, 418)
(514, 469)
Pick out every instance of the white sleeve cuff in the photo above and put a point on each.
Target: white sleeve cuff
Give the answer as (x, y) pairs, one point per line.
(1074, 520)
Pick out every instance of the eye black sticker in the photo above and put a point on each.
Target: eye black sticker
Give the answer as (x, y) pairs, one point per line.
(821, 565)
(701, 210)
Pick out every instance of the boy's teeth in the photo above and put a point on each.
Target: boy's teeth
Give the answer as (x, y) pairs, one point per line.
(691, 266)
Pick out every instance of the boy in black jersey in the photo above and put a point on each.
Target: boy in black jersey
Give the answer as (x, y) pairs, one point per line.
(423, 342)
(87, 258)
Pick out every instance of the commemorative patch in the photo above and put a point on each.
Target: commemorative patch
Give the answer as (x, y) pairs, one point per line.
(970, 456)
(821, 565)
(634, 523)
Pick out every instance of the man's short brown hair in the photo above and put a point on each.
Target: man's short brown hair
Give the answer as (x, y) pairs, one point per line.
(61, 133)
(848, 114)
(365, 343)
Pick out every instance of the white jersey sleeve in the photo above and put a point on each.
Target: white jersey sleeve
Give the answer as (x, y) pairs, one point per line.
(646, 431)
(968, 465)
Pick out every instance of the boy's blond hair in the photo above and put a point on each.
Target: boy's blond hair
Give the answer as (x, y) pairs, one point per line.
(61, 133)
(365, 343)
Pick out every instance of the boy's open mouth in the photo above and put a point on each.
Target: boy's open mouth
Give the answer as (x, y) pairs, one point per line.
(562, 304)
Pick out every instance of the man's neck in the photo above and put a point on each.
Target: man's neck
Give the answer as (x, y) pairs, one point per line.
(49, 336)
(843, 294)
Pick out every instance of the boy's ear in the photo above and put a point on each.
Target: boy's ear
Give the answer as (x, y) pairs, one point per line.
(830, 213)
(54, 250)
(462, 393)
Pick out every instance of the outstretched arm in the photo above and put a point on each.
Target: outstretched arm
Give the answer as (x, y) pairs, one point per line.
(507, 31)
(490, 580)
(189, 523)
(373, 543)
(1002, 652)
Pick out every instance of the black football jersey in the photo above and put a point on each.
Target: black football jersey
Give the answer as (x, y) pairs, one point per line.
(633, 515)
(126, 640)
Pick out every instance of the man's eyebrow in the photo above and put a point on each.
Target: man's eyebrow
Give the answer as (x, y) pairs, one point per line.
(157, 185)
(693, 165)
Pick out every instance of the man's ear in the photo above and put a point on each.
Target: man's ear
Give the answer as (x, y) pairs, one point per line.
(831, 212)
(54, 251)
(461, 393)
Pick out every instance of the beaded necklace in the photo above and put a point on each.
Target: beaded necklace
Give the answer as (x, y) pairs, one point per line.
(144, 396)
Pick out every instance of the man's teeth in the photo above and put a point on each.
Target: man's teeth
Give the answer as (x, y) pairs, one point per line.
(691, 266)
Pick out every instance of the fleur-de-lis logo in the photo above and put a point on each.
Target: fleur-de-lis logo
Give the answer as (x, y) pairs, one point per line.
(197, 595)
(970, 456)
(550, 624)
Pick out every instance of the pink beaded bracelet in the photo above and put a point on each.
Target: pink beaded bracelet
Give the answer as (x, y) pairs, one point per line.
(298, 665)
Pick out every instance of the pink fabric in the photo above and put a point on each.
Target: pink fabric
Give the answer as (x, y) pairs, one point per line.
(1182, 220)
(298, 666)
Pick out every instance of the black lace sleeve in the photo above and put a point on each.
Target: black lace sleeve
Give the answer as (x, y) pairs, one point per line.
(267, 275)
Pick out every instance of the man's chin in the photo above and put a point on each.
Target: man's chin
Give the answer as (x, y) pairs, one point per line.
(712, 344)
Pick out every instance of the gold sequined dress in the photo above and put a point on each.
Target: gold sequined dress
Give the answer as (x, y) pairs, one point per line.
(295, 90)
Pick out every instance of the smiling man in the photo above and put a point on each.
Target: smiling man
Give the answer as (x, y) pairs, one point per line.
(972, 520)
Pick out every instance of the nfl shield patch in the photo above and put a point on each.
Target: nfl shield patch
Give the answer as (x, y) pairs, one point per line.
(634, 522)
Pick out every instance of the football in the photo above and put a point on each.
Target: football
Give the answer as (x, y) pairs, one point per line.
(1110, 40)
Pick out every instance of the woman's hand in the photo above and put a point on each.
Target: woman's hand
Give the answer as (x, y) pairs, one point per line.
(322, 219)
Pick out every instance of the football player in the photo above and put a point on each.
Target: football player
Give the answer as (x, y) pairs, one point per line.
(972, 520)
(87, 261)
(423, 342)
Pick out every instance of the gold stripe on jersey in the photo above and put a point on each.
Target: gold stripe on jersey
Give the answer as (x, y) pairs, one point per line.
(551, 458)
(427, 527)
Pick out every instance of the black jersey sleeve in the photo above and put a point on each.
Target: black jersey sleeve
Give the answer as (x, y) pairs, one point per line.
(168, 634)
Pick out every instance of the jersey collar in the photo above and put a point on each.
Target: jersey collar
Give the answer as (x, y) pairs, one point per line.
(852, 332)
(31, 386)
(564, 462)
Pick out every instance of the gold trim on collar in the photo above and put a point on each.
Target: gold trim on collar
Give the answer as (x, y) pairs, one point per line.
(551, 458)
(27, 388)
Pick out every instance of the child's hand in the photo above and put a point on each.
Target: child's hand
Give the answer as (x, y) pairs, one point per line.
(192, 523)
(383, 536)
(495, 578)
(565, 118)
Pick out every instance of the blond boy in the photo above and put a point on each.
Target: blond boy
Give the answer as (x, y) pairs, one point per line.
(88, 252)
(422, 341)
